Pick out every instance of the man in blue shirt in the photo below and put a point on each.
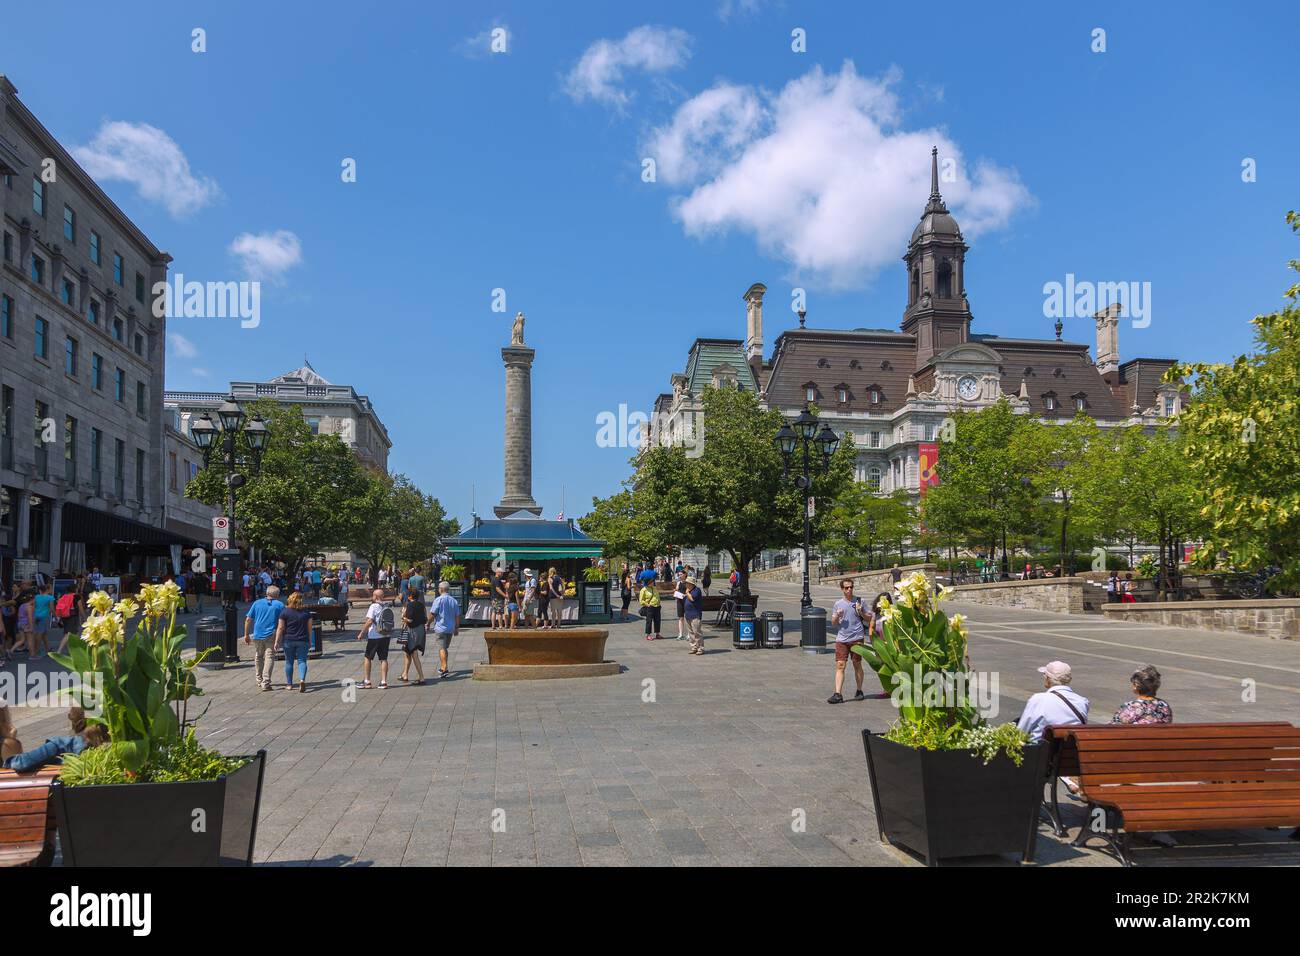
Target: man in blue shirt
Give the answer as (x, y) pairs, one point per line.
(445, 611)
(693, 610)
(259, 630)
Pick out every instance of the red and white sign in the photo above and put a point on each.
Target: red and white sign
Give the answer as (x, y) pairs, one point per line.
(220, 544)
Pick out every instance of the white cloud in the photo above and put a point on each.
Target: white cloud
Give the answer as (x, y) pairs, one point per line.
(267, 255)
(729, 8)
(149, 159)
(181, 346)
(598, 74)
(200, 373)
(821, 174)
(481, 44)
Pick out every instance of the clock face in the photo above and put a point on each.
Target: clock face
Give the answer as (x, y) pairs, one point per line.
(968, 387)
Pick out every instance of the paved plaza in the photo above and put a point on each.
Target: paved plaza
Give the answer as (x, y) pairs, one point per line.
(679, 760)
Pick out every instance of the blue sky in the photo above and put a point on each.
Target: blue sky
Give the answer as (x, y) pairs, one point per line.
(523, 171)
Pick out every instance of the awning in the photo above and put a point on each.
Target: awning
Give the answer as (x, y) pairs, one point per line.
(88, 526)
(523, 552)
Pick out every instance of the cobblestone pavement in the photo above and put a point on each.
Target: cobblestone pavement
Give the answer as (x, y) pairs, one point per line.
(679, 760)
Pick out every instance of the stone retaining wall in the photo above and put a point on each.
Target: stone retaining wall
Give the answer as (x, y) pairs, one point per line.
(1060, 595)
(867, 584)
(1278, 619)
(789, 574)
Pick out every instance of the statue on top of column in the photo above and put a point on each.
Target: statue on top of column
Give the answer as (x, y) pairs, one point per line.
(517, 333)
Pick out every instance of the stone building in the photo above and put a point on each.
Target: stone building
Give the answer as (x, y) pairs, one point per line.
(81, 365)
(328, 409)
(890, 390)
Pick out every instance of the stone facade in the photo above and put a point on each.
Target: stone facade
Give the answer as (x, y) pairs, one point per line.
(81, 356)
(1059, 595)
(1277, 619)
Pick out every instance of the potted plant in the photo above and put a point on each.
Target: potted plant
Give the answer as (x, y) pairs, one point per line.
(153, 795)
(945, 782)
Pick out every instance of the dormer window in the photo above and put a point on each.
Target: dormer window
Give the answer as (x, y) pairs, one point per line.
(1049, 402)
(844, 395)
(810, 392)
(874, 395)
(823, 363)
(1080, 401)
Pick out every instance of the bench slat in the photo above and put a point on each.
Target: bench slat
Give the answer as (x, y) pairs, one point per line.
(1113, 745)
(1168, 731)
(1284, 755)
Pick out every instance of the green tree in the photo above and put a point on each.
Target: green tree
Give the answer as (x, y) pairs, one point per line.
(300, 501)
(626, 523)
(735, 496)
(862, 525)
(393, 521)
(1241, 443)
(980, 499)
(1059, 461)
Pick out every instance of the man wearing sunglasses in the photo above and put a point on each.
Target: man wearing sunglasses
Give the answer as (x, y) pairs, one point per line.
(849, 616)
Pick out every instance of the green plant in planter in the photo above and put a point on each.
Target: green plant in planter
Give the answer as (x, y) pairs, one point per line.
(594, 574)
(1147, 566)
(133, 681)
(922, 661)
(453, 573)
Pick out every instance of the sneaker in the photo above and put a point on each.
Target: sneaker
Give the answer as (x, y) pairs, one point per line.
(288, 687)
(859, 695)
(444, 673)
(835, 699)
(266, 687)
(649, 637)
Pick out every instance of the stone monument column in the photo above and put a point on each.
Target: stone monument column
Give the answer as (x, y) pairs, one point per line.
(518, 359)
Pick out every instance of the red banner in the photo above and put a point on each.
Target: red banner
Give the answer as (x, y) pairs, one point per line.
(928, 453)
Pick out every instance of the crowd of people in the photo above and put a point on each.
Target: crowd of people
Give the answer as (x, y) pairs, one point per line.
(527, 603)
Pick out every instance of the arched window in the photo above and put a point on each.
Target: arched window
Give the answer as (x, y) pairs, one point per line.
(945, 280)
(916, 285)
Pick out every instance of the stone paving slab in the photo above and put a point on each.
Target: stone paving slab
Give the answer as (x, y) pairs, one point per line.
(677, 760)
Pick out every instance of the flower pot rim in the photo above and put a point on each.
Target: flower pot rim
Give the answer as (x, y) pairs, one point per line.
(250, 758)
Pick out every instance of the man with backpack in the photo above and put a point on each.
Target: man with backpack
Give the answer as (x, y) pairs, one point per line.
(378, 631)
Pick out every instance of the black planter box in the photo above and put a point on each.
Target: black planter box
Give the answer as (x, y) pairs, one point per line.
(948, 803)
(153, 824)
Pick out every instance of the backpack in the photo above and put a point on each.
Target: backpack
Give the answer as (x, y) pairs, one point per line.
(67, 605)
(387, 623)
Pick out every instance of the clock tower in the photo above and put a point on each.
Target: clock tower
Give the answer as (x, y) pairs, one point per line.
(937, 312)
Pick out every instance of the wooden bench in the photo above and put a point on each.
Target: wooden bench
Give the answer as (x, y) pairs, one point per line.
(27, 822)
(1063, 759)
(1168, 777)
(337, 613)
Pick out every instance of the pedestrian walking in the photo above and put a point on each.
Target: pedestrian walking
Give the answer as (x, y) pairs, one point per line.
(530, 597)
(293, 633)
(679, 594)
(1112, 588)
(625, 591)
(706, 580)
(377, 631)
(556, 585)
(260, 625)
(850, 617)
(512, 601)
(446, 625)
(415, 620)
(693, 608)
(42, 617)
(649, 600)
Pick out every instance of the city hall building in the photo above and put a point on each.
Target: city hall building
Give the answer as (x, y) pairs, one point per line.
(891, 389)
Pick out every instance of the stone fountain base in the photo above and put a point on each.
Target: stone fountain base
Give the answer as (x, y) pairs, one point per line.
(533, 654)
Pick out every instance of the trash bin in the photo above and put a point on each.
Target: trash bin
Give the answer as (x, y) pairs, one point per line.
(773, 631)
(812, 625)
(211, 632)
(232, 633)
(744, 629)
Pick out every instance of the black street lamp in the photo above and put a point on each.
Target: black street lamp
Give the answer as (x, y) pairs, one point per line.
(815, 445)
(871, 542)
(233, 423)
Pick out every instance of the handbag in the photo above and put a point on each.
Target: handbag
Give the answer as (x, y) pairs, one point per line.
(404, 637)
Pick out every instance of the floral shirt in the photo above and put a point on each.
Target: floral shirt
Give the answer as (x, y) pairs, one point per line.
(1144, 711)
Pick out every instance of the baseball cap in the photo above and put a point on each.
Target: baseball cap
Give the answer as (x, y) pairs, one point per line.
(1059, 671)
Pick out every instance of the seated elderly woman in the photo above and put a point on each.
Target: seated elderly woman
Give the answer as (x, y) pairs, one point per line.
(1145, 707)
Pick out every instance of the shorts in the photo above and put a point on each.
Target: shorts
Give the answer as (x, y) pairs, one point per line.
(378, 647)
(498, 605)
(530, 608)
(842, 651)
(512, 608)
(443, 638)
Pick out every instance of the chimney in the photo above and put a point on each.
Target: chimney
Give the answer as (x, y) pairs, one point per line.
(754, 323)
(1108, 338)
